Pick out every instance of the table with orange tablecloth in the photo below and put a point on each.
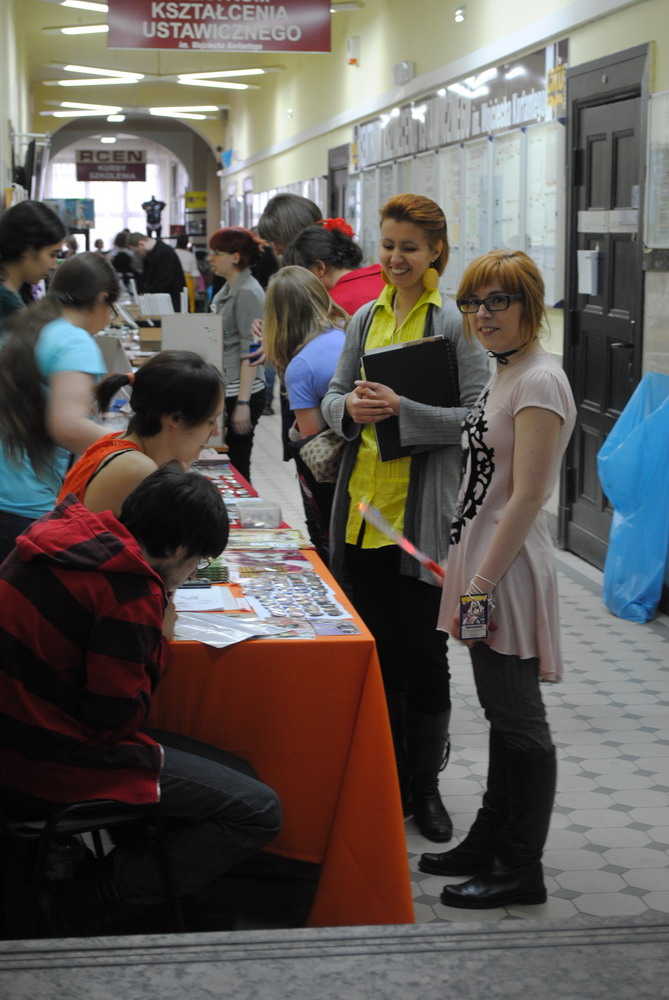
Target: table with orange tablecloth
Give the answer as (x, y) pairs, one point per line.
(310, 715)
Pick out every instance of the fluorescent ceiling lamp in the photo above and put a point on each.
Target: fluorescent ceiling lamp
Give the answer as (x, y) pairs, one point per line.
(199, 82)
(418, 113)
(108, 139)
(97, 71)
(97, 81)
(178, 114)
(70, 114)
(109, 109)
(80, 29)
(186, 107)
(217, 74)
(115, 118)
(101, 8)
(516, 71)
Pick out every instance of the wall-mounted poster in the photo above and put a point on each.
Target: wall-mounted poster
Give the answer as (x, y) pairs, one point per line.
(75, 213)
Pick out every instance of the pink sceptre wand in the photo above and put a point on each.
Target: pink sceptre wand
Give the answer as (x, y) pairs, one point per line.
(374, 517)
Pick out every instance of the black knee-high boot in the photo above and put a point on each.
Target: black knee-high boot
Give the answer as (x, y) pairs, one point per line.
(475, 853)
(516, 875)
(428, 748)
(397, 714)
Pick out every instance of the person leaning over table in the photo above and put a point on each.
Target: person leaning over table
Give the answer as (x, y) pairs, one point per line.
(239, 302)
(176, 399)
(395, 596)
(85, 613)
(49, 364)
(514, 439)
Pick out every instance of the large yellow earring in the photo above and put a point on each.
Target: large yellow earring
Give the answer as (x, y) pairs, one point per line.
(431, 279)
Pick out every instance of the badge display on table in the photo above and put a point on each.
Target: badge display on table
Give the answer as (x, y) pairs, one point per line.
(474, 613)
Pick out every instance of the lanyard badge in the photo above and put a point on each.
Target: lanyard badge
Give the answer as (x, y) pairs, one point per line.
(474, 615)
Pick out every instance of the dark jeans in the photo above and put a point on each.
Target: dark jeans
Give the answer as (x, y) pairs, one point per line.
(11, 525)
(401, 613)
(509, 691)
(216, 814)
(240, 445)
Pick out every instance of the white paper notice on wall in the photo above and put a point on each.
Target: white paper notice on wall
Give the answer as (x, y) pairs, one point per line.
(588, 271)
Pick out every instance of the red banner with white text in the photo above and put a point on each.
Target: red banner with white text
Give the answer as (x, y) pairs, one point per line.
(223, 26)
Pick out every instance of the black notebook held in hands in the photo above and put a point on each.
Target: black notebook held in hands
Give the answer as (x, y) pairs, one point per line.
(424, 370)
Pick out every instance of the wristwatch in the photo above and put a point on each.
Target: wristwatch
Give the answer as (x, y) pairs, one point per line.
(243, 402)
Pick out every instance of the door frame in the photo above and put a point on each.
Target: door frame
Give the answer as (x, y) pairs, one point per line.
(601, 81)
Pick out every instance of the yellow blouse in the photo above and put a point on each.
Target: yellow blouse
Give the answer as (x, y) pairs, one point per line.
(384, 484)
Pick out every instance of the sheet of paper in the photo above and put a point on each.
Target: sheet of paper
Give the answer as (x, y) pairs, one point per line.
(205, 599)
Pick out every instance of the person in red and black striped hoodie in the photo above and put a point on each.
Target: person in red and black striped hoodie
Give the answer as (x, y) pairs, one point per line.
(85, 609)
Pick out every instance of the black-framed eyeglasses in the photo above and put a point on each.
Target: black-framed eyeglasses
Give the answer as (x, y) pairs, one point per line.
(115, 312)
(493, 303)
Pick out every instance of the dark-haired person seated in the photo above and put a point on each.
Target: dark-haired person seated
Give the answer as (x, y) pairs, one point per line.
(85, 611)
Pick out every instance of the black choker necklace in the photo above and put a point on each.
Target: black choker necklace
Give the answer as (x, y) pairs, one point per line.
(503, 356)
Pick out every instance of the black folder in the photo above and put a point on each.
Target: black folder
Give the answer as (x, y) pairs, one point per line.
(424, 370)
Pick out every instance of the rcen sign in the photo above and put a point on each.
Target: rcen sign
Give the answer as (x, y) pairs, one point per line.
(224, 26)
(111, 165)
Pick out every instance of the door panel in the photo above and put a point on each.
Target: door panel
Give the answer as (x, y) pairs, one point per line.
(602, 330)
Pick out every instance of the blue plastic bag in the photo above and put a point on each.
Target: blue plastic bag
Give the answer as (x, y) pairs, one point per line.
(633, 465)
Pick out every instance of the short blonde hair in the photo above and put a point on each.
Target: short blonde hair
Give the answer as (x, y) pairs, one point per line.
(297, 309)
(514, 272)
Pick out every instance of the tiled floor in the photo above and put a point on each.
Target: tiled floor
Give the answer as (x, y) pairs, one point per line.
(608, 849)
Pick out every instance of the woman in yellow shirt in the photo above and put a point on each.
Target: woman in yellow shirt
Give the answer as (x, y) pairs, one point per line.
(397, 598)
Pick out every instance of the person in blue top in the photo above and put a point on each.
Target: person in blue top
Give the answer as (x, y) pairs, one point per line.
(49, 364)
(31, 237)
(303, 337)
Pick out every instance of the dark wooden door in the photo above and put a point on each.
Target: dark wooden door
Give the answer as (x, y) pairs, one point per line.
(603, 322)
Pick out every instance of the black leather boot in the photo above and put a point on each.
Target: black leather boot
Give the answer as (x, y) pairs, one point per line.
(516, 875)
(476, 852)
(397, 714)
(501, 886)
(428, 749)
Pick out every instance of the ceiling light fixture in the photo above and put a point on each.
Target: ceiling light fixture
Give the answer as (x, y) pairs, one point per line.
(193, 112)
(460, 15)
(217, 74)
(516, 71)
(222, 85)
(108, 139)
(115, 118)
(101, 8)
(109, 109)
(97, 81)
(80, 29)
(97, 71)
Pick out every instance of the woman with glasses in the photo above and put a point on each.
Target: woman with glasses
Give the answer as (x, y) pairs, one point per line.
(240, 301)
(501, 555)
(49, 364)
(176, 400)
(396, 597)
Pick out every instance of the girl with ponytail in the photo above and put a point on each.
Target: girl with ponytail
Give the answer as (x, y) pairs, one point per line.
(49, 364)
(176, 400)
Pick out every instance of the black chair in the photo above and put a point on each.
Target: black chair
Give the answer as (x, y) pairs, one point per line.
(28, 844)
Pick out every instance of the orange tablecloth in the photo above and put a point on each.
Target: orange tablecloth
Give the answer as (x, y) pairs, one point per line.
(310, 715)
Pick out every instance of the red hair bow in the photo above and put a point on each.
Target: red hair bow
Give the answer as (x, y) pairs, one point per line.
(340, 224)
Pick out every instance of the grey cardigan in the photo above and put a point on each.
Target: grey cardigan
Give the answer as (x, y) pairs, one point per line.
(239, 304)
(434, 432)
